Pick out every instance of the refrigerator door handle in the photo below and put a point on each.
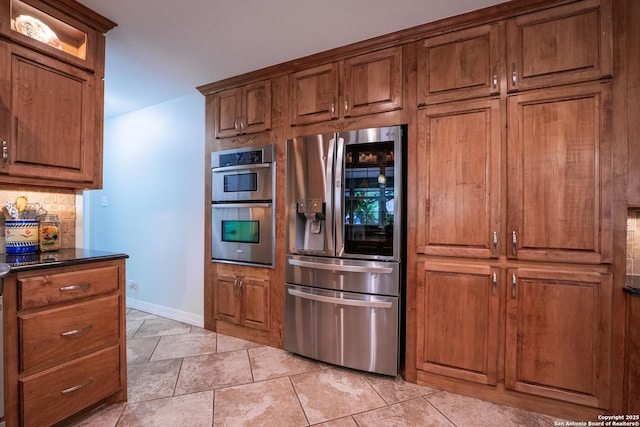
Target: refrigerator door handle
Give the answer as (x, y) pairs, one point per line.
(342, 268)
(338, 195)
(331, 162)
(341, 301)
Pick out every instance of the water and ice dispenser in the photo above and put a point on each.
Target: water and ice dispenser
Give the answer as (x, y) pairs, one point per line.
(310, 224)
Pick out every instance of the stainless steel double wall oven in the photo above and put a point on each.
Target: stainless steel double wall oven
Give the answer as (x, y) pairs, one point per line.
(345, 233)
(242, 205)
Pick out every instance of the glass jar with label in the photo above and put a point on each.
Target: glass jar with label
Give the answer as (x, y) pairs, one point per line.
(49, 232)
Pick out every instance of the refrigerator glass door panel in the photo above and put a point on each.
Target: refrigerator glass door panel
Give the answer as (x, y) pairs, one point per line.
(242, 232)
(369, 224)
(352, 330)
(373, 277)
(310, 183)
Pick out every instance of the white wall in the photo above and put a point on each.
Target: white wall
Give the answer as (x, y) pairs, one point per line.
(153, 191)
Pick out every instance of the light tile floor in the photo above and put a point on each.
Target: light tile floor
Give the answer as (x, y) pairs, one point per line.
(181, 375)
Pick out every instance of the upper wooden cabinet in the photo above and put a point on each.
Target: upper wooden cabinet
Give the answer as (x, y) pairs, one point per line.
(371, 83)
(48, 131)
(51, 93)
(565, 44)
(461, 64)
(245, 109)
(458, 179)
(560, 174)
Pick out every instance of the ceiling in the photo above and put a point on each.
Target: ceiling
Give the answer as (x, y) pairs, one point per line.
(164, 49)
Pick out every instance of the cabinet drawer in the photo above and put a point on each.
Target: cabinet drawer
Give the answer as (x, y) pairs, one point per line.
(60, 287)
(59, 393)
(51, 336)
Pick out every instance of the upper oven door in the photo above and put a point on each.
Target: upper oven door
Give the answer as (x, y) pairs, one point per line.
(242, 183)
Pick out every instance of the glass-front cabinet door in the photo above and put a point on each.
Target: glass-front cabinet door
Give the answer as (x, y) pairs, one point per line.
(38, 25)
(369, 204)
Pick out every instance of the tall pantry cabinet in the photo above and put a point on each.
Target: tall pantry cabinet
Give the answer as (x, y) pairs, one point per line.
(514, 204)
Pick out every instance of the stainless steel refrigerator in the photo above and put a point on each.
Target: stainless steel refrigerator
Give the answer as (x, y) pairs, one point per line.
(345, 239)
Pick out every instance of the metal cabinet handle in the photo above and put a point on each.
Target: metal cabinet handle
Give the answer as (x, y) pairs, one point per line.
(333, 106)
(494, 240)
(494, 280)
(5, 153)
(235, 124)
(514, 241)
(514, 281)
(346, 104)
(242, 124)
(77, 387)
(76, 331)
(75, 287)
(514, 73)
(495, 76)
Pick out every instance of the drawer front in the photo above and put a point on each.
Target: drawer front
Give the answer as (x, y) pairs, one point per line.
(60, 287)
(49, 337)
(59, 393)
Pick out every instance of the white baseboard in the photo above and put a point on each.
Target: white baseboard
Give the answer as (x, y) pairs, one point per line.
(169, 313)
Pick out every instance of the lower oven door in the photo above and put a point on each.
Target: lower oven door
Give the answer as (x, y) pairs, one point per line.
(242, 233)
(357, 331)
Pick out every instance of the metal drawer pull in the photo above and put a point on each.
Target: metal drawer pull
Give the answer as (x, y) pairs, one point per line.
(342, 268)
(76, 387)
(494, 280)
(514, 282)
(76, 331)
(75, 287)
(341, 301)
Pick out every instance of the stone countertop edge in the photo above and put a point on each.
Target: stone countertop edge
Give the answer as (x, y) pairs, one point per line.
(60, 258)
(632, 284)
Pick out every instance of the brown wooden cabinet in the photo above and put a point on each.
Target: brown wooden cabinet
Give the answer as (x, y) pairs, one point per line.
(66, 326)
(560, 45)
(558, 334)
(51, 96)
(458, 318)
(560, 176)
(244, 110)
(242, 300)
(458, 181)
(371, 83)
(461, 64)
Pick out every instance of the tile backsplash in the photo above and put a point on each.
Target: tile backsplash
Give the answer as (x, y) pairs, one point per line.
(57, 202)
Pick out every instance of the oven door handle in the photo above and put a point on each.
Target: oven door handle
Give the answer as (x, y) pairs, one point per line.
(343, 268)
(241, 167)
(240, 205)
(341, 301)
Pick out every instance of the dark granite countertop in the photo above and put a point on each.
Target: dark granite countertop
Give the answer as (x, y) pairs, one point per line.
(633, 284)
(61, 258)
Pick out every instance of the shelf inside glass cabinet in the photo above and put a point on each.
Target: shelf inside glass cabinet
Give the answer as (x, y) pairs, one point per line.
(38, 25)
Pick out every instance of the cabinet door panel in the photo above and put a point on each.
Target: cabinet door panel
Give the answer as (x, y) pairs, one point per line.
(314, 94)
(229, 110)
(227, 303)
(459, 179)
(560, 45)
(462, 64)
(256, 107)
(373, 82)
(560, 176)
(558, 335)
(458, 321)
(51, 119)
(255, 295)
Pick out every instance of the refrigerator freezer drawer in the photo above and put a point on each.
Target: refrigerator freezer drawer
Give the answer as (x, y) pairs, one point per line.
(345, 275)
(347, 329)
